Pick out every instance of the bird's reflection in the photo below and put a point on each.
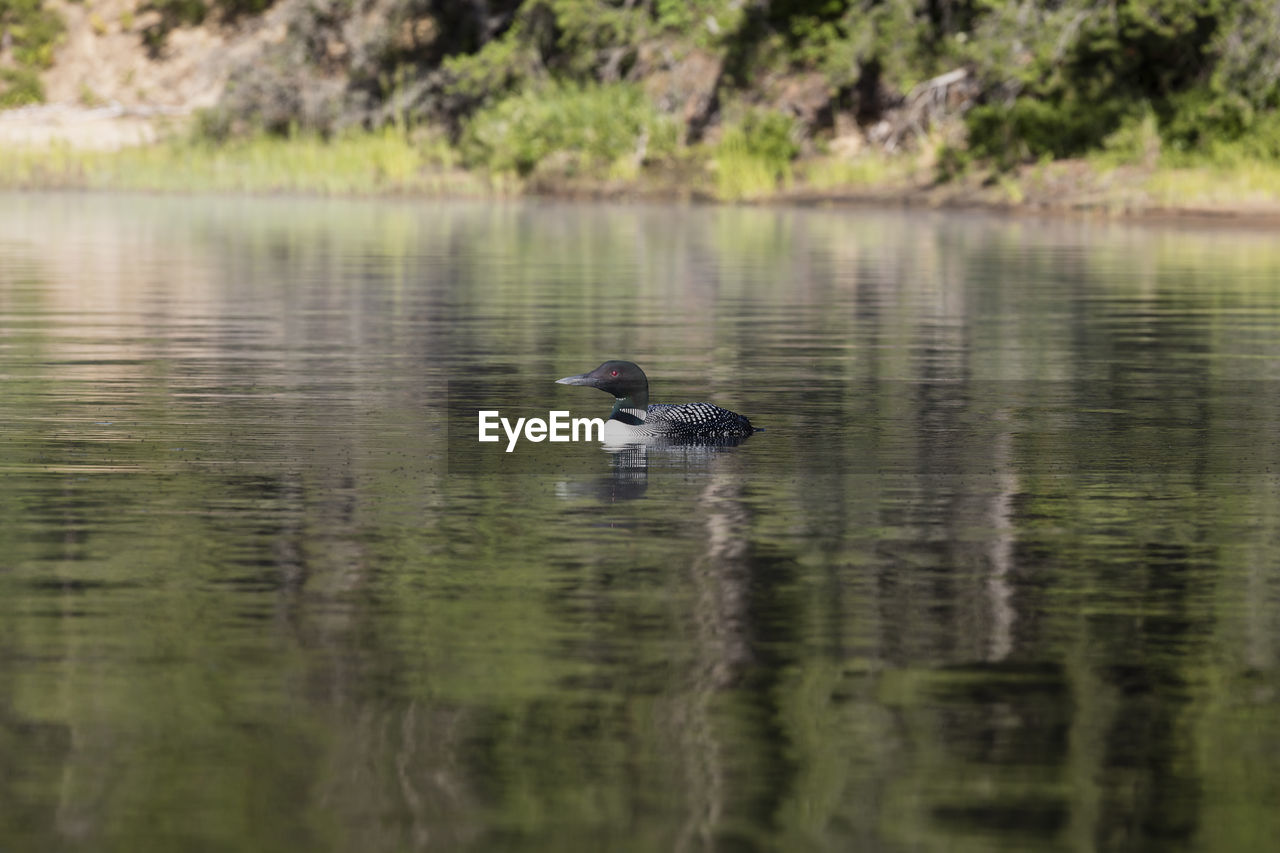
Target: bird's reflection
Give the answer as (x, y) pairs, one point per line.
(720, 575)
(628, 476)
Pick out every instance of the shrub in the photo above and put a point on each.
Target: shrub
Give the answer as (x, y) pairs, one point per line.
(754, 156)
(19, 86)
(1135, 142)
(35, 31)
(587, 129)
(1029, 129)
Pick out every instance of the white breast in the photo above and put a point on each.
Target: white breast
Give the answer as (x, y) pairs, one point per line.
(618, 434)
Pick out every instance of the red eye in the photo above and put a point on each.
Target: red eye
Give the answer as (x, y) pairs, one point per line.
(613, 373)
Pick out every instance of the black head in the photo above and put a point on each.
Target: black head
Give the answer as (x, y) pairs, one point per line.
(623, 379)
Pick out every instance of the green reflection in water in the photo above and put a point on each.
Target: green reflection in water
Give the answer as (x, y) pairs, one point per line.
(999, 574)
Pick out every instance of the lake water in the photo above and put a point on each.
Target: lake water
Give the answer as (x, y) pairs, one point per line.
(1003, 571)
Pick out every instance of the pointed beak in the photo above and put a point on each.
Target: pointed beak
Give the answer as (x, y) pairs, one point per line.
(580, 379)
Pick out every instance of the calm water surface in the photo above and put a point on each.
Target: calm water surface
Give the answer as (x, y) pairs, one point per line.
(1002, 573)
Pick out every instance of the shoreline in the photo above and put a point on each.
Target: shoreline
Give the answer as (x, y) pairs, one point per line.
(396, 164)
(912, 199)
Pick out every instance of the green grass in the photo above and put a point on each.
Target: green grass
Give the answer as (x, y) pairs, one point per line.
(1242, 186)
(753, 159)
(391, 162)
(386, 162)
(868, 170)
(743, 176)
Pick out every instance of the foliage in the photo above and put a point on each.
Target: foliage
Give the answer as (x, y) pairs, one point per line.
(34, 30)
(1247, 48)
(589, 129)
(18, 87)
(1030, 128)
(179, 12)
(576, 41)
(186, 13)
(521, 83)
(1135, 142)
(498, 68)
(840, 39)
(753, 157)
(1240, 137)
(195, 11)
(1196, 71)
(1055, 79)
(386, 162)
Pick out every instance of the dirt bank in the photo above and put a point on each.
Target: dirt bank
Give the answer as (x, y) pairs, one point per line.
(106, 89)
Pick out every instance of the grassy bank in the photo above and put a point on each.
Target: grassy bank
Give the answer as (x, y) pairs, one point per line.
(603, 141)
(394, 163)
(385, 162)
(1160, 105)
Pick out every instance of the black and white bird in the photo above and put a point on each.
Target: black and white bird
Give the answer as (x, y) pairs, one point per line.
(635, 419)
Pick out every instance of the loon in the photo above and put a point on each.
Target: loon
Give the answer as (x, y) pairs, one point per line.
(635, 419)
